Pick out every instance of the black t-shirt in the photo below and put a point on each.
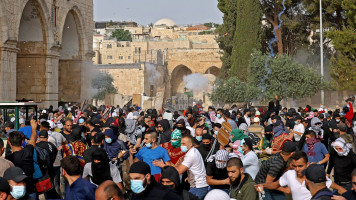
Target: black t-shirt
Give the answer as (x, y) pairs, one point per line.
(69, 137)
(51, 149)
(24, 160)
(218, 174)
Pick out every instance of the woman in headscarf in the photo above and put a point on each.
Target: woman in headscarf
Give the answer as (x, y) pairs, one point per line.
(116, 149)
(237, 137)
(100, 169)
(343, 161)
(280, 136)
(173, 148)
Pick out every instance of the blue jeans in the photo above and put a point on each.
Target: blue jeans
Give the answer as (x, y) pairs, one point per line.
(199, 192)
(274, 195)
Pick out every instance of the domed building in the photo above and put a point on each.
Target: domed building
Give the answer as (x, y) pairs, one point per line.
(165, 22)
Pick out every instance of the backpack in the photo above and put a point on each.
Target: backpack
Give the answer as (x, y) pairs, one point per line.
(43, 159)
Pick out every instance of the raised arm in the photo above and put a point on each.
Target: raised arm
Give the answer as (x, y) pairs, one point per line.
(33, 137)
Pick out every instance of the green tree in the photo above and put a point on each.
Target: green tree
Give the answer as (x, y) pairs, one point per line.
(288, 80)
(343, 62)
(247, 36)
(226, 33)
(103, 83)
(121, 35)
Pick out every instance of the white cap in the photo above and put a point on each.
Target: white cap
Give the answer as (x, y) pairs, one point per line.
(114, 114)
(69, 109)
(12, 119)
(257, 113)
(51, 124)
(44, 111)
(256, 120)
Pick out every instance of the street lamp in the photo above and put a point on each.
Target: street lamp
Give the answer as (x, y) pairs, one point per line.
(321, 51)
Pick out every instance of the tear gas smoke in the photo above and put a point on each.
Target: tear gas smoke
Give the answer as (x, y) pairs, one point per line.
(196, 82)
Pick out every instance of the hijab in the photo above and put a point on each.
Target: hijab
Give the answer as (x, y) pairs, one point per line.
(346, 147)
(114, 147)
(101, 170)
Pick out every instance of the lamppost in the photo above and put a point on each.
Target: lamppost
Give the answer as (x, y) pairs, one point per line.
(321, 51)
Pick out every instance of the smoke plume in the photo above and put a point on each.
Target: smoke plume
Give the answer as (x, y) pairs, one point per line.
(196, 82)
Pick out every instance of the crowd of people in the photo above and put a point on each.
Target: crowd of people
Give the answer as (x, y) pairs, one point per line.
(115, 153)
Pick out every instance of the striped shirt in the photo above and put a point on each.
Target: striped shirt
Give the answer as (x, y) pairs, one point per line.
(274, 166)
(256, 129)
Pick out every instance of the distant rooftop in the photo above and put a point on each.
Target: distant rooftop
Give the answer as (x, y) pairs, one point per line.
(106, 24)
(118, 66)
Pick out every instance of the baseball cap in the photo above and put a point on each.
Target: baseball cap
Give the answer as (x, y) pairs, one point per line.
(4, 185)
(289, 147)
(14, 173)
(342, 127)
(315, 173)
(43, 134)
(257, 113)
(21, 121)
(256, 119)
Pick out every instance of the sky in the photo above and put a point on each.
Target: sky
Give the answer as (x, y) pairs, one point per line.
(146, 11)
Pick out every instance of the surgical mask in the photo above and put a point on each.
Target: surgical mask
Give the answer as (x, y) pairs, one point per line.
(148, 145)
(175, 144)
(216, 132)
(296, 122)
(18, 192)
(143, 129)
(184, 148)
(218, 116)
(108, 140)
(199, 138)
(137, 186)
(337, 120)
(241, 150)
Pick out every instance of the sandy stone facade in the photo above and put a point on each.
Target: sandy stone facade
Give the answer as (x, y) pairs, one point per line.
(45, 46)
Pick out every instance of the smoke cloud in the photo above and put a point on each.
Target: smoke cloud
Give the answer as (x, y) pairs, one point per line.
(196, 82)
(153, 74)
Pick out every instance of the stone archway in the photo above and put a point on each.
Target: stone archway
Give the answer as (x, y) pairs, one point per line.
(213, 70)
(177, 83)
(31, 81)
(71, 58)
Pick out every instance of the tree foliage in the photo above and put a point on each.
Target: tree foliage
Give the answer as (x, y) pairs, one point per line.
(121, 35)
(247, 36)
(103, 83)
(288, 80)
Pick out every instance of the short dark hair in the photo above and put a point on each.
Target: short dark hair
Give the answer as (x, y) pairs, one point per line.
(15, 138)
(310, 132)
(275, 117)
(300, 154)
(9, 124)
(353, 173)
(112, 190)
(45, 124)
(98, 138)
(235, 162)
(227, 114)
(217, 125)
(189, 137)
(72, 165)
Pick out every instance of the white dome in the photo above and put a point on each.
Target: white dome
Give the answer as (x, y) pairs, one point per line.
(166, 22)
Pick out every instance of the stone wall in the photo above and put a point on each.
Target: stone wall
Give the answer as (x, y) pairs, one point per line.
(16, 57)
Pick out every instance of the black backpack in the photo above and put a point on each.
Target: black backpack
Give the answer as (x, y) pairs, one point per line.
(43, 159)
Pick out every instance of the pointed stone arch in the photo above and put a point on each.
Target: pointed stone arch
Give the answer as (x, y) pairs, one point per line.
(177, 82)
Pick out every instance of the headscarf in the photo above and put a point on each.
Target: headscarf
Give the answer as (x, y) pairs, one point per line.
(212, 116)
(346, 147)
(314, 127)
(101, 170)
(114, 147)
(176, 135)
(311, 143)
(221, 155)
(237, 145)
(238, 135)
(279, 129)
(243, 127)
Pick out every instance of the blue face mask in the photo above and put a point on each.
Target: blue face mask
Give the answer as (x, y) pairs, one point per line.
(108, 140)
(143, 129)
(148, 145)
(184, 148)
(296, 122)
(241, 150)
(18, 192)
(218, 116)
(216, 132)
(199, 138)
(137, 186)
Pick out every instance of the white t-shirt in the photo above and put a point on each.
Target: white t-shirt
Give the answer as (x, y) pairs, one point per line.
(299, 128)
(57, 139)
(114, 172)
(196, 170)
(251, 164)
(248, 120)
(219, 121)
(192, 131)
(299, 190)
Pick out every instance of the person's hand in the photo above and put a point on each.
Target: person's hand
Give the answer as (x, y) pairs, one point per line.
(341, 190)
(186, 180)
(33, 124)
(328, 175)
(121, 154)
(268, 151)
(338, 198)
(259, 188)
(158, 163)
(285, 190)
(60, 148)
(227, 181)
